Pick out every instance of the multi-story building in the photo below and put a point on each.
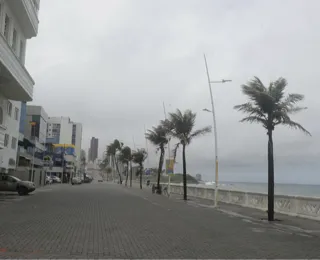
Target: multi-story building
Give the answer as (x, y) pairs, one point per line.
(76, 140)
(93, 155)
(31, 145)
(18, 23)
(65, 137)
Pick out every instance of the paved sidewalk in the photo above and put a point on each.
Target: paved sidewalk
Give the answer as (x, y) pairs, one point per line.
(290, 223)
(105, 220)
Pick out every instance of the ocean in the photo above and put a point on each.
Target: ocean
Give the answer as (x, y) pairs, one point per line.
(307, 190)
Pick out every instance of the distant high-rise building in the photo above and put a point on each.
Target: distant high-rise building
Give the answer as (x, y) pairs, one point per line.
(93, 149)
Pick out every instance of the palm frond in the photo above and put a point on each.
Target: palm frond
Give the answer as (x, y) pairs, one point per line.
(276, 89)
(295, 125)
(255, 119)
(250, 109)
(259, 94)
(139, 156)
(294, 109)
(182, 124)
(158, 135)
(292, 99)
(201, 131)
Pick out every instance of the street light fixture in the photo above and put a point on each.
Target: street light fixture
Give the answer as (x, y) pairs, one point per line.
(214, 130)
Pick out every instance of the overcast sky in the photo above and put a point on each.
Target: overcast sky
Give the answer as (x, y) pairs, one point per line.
(109, 64)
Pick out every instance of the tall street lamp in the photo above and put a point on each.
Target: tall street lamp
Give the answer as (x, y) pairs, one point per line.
(214, 130)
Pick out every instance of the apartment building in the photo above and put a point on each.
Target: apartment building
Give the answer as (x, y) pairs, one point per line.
(64, 138)
(94, 145)
(31, 145)
(18, 23)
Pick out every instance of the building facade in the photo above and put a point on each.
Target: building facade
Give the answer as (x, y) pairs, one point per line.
(64, 137)
(76, 140)
(94, 145)
(31, 144)
(18, 23)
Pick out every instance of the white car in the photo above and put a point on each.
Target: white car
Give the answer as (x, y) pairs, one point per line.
(55, 179)
(76, 180)
(48, 180)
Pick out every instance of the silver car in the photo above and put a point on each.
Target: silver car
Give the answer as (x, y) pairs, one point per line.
(12, 183)
(76, 180)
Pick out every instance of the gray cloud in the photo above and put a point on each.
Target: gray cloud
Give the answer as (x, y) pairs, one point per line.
(111, 66)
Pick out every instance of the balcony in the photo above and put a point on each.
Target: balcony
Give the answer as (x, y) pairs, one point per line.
(2, 133)
(27, 15)
(15, 81)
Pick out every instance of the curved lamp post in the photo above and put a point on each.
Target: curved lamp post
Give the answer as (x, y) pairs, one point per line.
(214, 130)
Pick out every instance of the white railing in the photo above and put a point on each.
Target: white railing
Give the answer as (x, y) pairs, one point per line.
(306, 207)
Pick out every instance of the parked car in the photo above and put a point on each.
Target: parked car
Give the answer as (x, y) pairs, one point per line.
(48, 180)
(12, 183)
(76, 180)
(87, 178)
(55, 179)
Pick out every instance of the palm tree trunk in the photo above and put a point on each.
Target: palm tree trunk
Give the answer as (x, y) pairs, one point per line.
(160, 167)
(130, 174)
(270, 178)
(184, 172)
(141, 170)
(127, 173)
(116, 163)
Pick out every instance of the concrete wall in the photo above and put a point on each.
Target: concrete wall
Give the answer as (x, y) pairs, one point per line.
(306, 207)
(24, 173)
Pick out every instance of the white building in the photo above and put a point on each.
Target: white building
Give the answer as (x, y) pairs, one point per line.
(61, 130)
(38, 115)
(18, 23)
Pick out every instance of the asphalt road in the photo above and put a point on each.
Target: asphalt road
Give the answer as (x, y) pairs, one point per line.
(100, 220)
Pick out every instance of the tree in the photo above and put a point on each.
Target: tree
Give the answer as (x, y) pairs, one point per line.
(180, 126)
(158, 136)
(125, 157)
(270, 107)
(112, 150)
(139, 157)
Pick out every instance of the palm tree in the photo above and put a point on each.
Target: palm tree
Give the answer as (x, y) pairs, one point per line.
(139, 157)
(118, 146)
(125, 157)
(180, 126)
(270, 107)
(112, 150)
(158, 136)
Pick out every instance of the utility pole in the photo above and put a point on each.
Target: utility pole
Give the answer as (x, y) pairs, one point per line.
(214, 131)
(34, 148)
(169, 176)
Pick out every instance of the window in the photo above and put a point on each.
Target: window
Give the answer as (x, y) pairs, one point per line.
(16, 114)
(22, 48)
(6, 140)
(14, 143)
(1, 116)
(14, 40)
(6, 27)
(9, 108)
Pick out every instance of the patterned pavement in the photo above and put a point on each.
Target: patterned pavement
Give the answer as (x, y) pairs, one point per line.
(101, 220)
